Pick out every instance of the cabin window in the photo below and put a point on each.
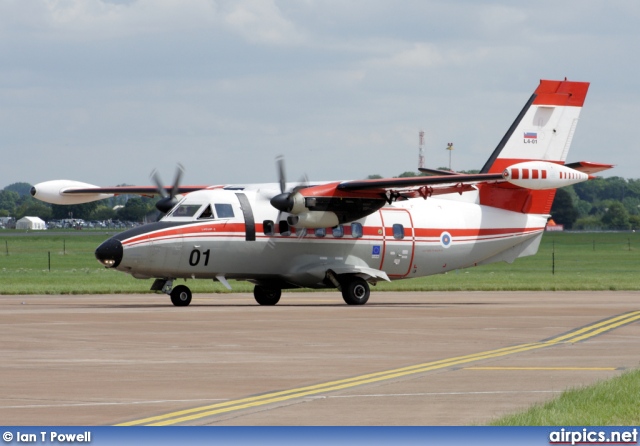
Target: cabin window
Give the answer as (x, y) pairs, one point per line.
(207, 213)
(398, 231)
(283, 228)
(337, 231)
(268, 227)
(186, 210)
(356, 230)
(321, 232)
(224, 210)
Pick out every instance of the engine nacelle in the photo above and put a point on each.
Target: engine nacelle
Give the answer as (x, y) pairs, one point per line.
(313, 220)
(56, 192)
(539, 175)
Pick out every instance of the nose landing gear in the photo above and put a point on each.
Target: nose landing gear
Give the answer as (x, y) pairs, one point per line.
(180, 295)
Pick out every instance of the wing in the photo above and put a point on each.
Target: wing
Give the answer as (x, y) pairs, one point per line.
(416, 182)
(331, 204)
(328, 205)
(133, 190)
(76, 192)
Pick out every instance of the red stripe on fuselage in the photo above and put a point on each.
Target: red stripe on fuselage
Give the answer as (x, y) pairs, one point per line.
(371, 233)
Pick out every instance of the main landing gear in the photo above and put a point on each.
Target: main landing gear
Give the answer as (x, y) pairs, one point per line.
(355, 291)
(266, 296)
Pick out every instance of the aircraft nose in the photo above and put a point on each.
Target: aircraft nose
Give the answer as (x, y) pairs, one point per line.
(109, 253)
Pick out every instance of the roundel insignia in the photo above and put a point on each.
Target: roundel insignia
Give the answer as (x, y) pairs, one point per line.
(445, 239)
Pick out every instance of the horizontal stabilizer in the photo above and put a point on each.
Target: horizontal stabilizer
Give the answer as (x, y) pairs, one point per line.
(589, 167)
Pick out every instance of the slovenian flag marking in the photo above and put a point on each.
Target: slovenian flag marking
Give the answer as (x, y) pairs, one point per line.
(530, 135)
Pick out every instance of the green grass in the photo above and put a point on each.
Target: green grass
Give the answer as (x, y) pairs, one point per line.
(583, 261)
(606, 403)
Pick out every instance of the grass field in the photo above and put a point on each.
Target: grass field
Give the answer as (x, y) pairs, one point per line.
(608, 403)
(64, 263)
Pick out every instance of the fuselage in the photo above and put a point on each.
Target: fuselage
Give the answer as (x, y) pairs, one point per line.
(235, 233)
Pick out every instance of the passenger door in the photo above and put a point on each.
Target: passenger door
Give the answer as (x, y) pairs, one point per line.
(398, 246)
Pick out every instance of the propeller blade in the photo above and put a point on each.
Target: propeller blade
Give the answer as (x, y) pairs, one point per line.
(281, 174)
(167, 201)
(155, 176)
(176, 181)
(302, 183)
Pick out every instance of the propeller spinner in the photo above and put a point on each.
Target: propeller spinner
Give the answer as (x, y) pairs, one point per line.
(288, 201)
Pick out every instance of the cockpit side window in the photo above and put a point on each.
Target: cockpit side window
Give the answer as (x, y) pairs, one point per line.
(224, 210)
(207, 213)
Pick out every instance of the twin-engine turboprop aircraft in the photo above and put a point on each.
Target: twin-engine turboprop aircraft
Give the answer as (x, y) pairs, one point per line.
(349, 234)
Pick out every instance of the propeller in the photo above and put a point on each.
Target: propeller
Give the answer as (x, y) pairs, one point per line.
(285, 201)
(168, 201)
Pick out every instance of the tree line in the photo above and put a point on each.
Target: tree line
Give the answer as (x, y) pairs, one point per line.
(601, 204)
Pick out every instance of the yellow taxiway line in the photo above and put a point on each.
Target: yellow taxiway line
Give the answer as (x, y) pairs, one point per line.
(187, 415)
(595, 369)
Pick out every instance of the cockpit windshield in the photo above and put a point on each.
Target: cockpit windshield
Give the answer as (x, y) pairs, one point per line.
(185, 210)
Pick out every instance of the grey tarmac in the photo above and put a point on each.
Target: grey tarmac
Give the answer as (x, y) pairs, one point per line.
(411, 358)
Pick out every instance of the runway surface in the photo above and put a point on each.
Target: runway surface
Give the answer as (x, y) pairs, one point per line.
(402, 359)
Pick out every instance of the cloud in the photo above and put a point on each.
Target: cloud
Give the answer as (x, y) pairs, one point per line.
(261, 22)
(223, 86)
(90, 20)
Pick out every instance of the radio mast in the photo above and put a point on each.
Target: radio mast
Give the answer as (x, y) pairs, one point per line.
(421, 149)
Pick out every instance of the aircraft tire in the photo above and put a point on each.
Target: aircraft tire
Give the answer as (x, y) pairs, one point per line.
(355, 291)
(181, 296)
(266, 296)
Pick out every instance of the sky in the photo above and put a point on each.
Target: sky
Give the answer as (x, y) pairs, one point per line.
(105, 91)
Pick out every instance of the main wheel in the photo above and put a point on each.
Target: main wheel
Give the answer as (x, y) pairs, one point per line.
(355, 291)
(266, 296)
(181, 296)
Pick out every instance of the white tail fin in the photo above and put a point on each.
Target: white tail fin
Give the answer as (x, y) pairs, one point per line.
(544, 128)
(543, 131)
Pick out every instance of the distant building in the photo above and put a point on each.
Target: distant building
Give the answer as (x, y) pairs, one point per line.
(7, 222)
(31, 223)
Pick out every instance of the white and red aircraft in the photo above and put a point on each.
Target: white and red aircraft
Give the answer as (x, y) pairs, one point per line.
(349, 234)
